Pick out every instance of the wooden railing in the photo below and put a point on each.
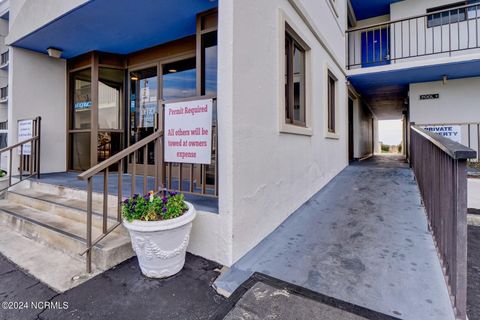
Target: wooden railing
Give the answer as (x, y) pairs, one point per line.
(442, 32)
(440, 165)
(28, 163)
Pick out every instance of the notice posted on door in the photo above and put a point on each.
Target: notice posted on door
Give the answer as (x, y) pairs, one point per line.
(188, 132)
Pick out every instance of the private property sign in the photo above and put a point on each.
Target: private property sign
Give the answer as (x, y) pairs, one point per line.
(188, 132)
(448, 131)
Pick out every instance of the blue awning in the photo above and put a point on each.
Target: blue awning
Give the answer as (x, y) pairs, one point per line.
(365, 9)
(117, 26)
(369, 84)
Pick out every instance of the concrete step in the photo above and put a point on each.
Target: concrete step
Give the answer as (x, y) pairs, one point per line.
(68, 207)
(56, 269)
(64, 192)
(63, 233)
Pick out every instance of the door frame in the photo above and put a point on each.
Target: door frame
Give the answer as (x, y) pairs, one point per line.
(94, 61)
(159, 62)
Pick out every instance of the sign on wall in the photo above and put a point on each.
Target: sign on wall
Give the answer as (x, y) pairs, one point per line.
(25, 132)
(431, 96)
(188, 132)
(448, 131)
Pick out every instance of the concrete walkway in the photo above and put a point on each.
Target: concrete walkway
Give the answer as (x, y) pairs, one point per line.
(362, 239)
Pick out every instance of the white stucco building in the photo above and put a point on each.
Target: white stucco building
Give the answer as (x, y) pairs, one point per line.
(299, 87)
(254, 132)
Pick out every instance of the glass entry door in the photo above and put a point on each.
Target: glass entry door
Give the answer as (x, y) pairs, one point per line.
(143, 111)
(96, 91)
(80, 119)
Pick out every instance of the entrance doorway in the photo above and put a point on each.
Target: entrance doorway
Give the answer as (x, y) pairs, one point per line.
(390, 135)
(96, 112)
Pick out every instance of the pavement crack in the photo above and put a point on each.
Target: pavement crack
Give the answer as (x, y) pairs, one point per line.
(8, 272)
(44, 309)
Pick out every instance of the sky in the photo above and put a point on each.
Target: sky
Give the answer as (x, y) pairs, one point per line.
(390, 131)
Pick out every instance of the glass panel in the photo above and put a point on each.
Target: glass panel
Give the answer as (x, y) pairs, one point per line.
(80, 151)
(331, 104)
(81, 103)
(110, 92)
(298, 85)
(143, 107)
(109, 143)
(179, 79)
(209, 64)
(288, 42)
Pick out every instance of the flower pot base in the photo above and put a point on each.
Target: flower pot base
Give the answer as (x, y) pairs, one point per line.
(161, 246)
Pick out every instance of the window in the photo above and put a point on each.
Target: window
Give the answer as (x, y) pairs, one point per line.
(294, 80)
(179, 79)
(451, 16)
(332, 84)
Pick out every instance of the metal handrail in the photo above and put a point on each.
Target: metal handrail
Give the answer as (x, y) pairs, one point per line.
(119, 156)
(381, 24)
(162, 177)
(30, 163)
(117, 159)
(414, 37)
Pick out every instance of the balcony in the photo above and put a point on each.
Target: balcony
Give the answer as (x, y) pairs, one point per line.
(439, 34)
(4, 59)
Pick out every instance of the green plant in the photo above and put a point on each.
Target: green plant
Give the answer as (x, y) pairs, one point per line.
(154, 207)
(385, 148)
(3, 173)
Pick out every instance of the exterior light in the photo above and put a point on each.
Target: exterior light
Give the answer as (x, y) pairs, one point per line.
(172, 70)
(134, 78)
(54, 53)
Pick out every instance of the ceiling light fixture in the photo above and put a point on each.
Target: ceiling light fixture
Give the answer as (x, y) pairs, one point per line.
(54, 53)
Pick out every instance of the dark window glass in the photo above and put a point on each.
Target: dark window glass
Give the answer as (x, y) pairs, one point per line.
(332, 82)
(143, 107)
(80, 144)
(452, 16)
(81, 103)
(209, 63)
(294, 81)
(110, 96)
(179, 79)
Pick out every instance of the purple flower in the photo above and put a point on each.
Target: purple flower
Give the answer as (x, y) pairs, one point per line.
(164, 210)
(172, 193)
(164, 199)
(135, 196)
(125, 201)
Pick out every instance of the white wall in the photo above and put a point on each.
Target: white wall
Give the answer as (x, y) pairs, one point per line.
(458, 104)
(362, 130)
(27, 16)
(38, 88)
(274, 173)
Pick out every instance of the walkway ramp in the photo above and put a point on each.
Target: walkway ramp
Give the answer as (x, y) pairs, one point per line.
(362, 239)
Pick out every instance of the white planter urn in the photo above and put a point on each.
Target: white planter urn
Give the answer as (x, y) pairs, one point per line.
(161, 245)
